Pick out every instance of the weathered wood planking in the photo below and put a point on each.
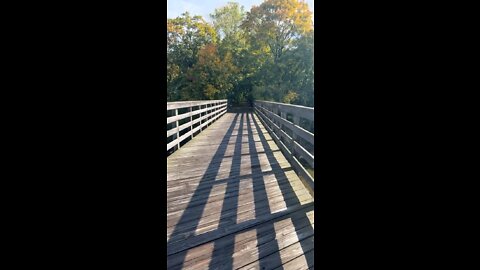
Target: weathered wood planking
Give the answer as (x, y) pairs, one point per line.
(234, 202)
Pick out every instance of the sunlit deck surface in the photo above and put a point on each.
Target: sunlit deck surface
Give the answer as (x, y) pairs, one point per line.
(234, 202)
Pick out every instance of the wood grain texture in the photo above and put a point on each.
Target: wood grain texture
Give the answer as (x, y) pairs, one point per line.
(235, 202)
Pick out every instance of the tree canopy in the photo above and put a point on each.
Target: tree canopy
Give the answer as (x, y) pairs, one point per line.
(265, 53)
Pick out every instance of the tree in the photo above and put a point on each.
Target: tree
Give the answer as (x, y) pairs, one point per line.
(186, 35)
(266, 53)
(227, 22)
(276, 30)
(277, 23)
(212, 77)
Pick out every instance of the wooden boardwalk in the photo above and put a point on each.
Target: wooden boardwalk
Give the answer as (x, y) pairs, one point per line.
(234, 201)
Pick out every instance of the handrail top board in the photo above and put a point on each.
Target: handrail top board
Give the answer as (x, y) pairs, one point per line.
(187, 104)
(298, 110)
(287, 105)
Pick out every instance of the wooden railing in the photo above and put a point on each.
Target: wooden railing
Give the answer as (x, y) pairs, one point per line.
(196, 116)
(289, 126)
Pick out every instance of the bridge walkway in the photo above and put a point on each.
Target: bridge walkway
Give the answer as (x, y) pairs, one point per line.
(234, 201)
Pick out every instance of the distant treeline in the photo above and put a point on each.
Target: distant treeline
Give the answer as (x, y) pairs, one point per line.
(266, 53)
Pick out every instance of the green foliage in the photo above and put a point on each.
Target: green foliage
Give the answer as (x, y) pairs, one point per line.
(227, 20)
(211, 75)
(266, 53)
(289, 97)
(277, 24)
(186, 35)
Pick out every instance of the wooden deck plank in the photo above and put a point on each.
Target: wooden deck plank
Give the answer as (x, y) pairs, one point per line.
(268, 206)
(299, 263)
(246, 244)
(286, 254)
(273, 188)
(233, 201)
(191, 240)
(223, 168)
(181, 195)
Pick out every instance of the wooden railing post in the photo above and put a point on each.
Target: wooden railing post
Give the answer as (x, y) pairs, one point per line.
(191, 119)
(211, 110)
(201, 115)
(282, 126)
(276, 112)
(296, 121)
(207, 112)
(177, 126)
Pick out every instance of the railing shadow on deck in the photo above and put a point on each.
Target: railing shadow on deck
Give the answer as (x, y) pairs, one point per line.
(285, 189)
(224, 246)
(192, 213)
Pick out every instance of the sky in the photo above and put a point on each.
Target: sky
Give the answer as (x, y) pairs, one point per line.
(205, 7)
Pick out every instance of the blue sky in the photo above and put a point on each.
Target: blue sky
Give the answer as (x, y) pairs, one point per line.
(205, 7)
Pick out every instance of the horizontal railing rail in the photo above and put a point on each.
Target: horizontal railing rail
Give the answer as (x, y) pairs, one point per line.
(294, 136)
(196, 117)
